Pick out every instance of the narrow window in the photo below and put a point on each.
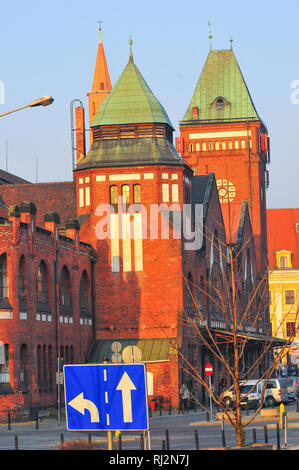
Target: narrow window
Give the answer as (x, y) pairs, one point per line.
(291, 329)
(84, 304)
(137, 194)
(4, 363)
(204, 146)
(283, 260)
(125, 196)
(24, 364)
(41, 284)
(39, 367)
(114, 197)
(65, 288)
(4, 291)
(22, 289)
(289, 297)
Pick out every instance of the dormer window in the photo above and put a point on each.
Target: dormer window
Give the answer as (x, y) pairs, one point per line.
(220, 104)
(283, 259)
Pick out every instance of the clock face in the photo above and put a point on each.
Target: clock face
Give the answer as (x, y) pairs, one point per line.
(226, 191)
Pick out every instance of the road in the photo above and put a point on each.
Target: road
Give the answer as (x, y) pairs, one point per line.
(181, 428)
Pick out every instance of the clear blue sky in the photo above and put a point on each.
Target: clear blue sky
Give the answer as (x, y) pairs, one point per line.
(50, 48)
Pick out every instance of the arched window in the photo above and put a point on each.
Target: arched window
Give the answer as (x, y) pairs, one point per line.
(4, 290)
(243, 144)
(197, 147)
(204, 146)
(84, 297)
(114, 197)
(125, 196)
(41, 284)
(210, 146)
(22, 280)
(217, 145)
(137, 194)
(230, 145)
(237, 145)
(65, 288)
(223, 145)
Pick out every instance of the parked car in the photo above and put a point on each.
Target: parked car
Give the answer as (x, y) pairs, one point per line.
(276, 392)
(250, 395)
(293, 385)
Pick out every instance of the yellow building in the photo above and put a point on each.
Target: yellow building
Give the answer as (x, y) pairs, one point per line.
(283, 255)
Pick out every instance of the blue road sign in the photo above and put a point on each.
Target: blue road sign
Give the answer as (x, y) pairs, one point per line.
(105, 397)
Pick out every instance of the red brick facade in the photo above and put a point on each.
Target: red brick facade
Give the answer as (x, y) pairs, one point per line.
(69, 290)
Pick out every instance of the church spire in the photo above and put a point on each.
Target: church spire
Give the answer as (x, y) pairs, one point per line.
(101, 85)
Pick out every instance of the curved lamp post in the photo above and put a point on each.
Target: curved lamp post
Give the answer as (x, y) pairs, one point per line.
(45, 101)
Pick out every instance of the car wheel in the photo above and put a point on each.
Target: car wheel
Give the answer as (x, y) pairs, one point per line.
(270, 402)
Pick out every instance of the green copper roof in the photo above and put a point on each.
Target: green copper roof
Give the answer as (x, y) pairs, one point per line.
(131, 152)
(130, 102)
(221, 77)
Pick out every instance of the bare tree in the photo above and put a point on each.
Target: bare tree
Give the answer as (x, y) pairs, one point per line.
(242, 320)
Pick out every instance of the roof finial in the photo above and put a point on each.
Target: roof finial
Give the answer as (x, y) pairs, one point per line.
(231, 43)
(100, 29)
(131, 53)
(210, 34)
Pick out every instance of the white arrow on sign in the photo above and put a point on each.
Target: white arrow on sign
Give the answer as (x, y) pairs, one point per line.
(81, 404)
(126, 386)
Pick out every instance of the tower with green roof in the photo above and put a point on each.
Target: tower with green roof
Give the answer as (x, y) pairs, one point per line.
(222, 132)
(131, 174)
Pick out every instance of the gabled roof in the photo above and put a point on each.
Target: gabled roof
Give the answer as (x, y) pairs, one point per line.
(9, 178)
(47, 197)
(282, 234)
(235, 215)
(221, 77)
(131, 101)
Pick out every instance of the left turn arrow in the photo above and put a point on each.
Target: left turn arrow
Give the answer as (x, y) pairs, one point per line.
(81, 404)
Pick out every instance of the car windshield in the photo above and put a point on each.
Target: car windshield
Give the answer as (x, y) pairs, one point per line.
(247, 388)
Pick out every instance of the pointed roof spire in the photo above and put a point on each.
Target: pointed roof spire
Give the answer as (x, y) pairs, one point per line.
(210, 34)
(101, 78)
(131, 53)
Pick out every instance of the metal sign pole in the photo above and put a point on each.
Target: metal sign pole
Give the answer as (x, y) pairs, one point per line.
(148, 431)
(211, 404)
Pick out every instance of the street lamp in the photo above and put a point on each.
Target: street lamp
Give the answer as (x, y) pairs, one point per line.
(45, 101)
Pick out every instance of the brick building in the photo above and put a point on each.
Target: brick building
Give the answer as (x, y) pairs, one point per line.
(131, 254)
(283, 241)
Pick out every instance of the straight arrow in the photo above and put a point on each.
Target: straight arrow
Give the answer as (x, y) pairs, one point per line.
(126, 386)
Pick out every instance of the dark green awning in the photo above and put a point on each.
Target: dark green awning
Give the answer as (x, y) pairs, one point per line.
(152, 349)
